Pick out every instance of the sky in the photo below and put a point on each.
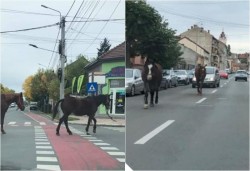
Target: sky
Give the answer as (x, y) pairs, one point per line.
(19, 60)
(230, 16)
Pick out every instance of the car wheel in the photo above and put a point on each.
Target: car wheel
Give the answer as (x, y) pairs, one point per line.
(170, 84)
(165, 86)
(235, 79)
(132, 93)
(193, 86)
(176, 84)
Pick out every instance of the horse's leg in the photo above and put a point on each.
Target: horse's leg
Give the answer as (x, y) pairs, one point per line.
(156, 96)
(67, 126)
(2, 122)
(146, 99)
(87, 127)
(62, 119)
(94, 128)
(152, 98)
(201, 87)
(198, 86)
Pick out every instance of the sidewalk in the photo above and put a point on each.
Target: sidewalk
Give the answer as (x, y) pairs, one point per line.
(101, 121)
(119, 121)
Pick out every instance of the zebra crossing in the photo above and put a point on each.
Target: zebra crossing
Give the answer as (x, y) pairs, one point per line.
(26, 124)
(112, 151)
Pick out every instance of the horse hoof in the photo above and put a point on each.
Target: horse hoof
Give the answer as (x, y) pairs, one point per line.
(151, 105)
(3, 132)
(70, 133)
(57, 134)
(88, 133)
(145, 106)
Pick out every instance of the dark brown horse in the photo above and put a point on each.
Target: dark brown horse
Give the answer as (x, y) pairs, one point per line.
(79, 107)
(6, 100)
(200, 74)
(151, 76)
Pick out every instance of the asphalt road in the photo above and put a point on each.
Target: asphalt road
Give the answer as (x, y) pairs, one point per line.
(186, 131)
(31, 143)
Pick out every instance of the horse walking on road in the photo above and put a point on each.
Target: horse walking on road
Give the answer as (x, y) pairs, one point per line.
(79, 107)
(151, 76)
(200, 74)
(6, 100)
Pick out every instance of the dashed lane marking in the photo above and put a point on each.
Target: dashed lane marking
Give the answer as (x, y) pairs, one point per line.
(213, 91)
(153, 133)
(201, 100)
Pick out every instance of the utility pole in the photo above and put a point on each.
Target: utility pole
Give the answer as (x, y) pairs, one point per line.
(62, 56)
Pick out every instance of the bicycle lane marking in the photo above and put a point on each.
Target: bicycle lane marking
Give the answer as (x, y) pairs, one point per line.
(74, 152)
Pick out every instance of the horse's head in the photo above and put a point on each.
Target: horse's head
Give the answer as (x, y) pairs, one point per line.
(150, 69)
(19, 101)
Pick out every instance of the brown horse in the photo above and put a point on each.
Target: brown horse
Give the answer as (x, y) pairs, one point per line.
(79, 107)
(6, 100)
(151, 76)
(200, 74)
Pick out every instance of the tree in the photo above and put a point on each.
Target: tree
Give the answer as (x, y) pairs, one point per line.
(27, 88)
(104, 47)
(229, 50)
(6, 89)
(148, 35)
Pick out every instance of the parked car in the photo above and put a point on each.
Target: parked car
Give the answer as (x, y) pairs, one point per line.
(33, 106)
(212, 78)
(164, 81)
(12, 105)
(182, 76)
(134, 84)
(190, 75)
(171, 77)
(229, 71)
(223, 74)
(241, 75)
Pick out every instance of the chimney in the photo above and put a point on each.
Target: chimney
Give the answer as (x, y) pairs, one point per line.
(208, 31)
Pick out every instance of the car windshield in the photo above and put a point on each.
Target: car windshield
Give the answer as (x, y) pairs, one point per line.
(241, 72)
(129, 73)
(180, 72)
(166, 72)
(209, 70)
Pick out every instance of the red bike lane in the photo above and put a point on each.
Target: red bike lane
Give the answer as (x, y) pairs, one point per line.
(73, 151)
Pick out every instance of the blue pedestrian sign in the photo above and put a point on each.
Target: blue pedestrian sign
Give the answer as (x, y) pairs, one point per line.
(92, 87)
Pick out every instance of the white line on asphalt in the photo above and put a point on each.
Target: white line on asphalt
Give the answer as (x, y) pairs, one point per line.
(38, 139)
(201, 100)
(27, 123)
(47, 159)
(150, 135)
(109, 148)
(116, 153)
(43, 147)
(213, 91)
(45, 152)
(11, 123)
(42, 143)
(48, 167)
(95, 140)
(101, 144)
(121, 159)
(42, 123)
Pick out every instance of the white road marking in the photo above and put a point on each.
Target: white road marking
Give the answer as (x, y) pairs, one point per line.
(213, 91)
(42, 143)
(48, 167)
(11, 123)
(47, 159)
(43, 147)
(150, 135)
(95, 140)
(116, 153)
(121, 159)
(201, 100)
(109, 148)
(45, 152)
(42, 123)
(27, 123)
(101, 144)
(38, 139)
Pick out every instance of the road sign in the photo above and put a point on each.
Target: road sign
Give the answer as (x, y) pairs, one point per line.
(92, 87)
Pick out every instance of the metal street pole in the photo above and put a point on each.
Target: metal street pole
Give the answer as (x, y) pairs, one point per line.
(62, 56)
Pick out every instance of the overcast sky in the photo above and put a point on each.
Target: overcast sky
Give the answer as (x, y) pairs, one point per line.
(232, 16)
(19, 60)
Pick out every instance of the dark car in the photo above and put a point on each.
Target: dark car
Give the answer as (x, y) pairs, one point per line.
(241, 75)
(33, 106)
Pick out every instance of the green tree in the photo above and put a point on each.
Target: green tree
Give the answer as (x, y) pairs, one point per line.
(75, 69)
(6, 89)
(148, 35)
(229, 50)
(104, 47)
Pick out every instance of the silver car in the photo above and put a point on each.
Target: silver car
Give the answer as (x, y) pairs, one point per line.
(182, 76)
(134, 84)
(171, 77)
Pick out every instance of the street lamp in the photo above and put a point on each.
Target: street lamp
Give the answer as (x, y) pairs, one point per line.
(61, 51)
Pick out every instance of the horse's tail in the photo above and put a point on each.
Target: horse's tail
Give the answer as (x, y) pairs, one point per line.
(55, 111)
(110, 117)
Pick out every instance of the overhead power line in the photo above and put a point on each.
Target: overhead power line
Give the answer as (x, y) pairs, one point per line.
(34, 28)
